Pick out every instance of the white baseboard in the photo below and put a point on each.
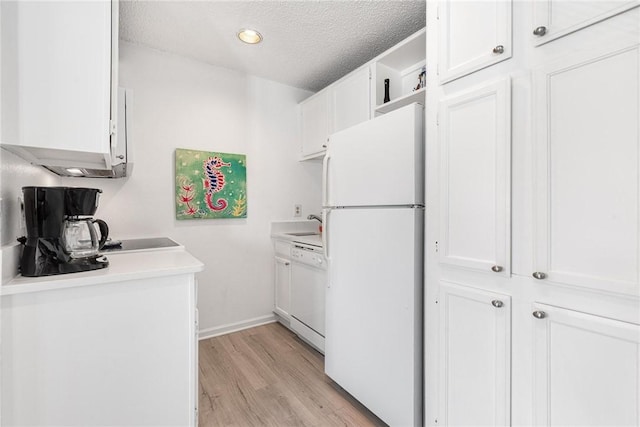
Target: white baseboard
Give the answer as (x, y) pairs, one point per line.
(234, 327)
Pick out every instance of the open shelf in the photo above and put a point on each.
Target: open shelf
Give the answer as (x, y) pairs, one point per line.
(417, 96)
(402, 65)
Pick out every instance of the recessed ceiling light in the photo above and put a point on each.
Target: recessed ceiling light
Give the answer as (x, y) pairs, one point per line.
(249, 36)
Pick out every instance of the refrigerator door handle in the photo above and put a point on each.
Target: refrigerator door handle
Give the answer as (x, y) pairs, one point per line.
(325, 232)
(325, 180)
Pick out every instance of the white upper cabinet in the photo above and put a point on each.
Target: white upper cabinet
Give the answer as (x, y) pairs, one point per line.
(556, 18)
(475, 185)
(586, 369)
(57, 72)
(359, 95)
(338, 107)
(587, 177)
(351, 102)
(315, 124)
(472, 35)
(474, 357)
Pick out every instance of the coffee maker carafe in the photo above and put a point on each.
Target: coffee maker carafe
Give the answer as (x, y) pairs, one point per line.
(61, 236)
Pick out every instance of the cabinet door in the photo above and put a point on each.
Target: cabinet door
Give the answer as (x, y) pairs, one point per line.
(474, 357)
(586, 369)
(283, 287)
(315, 123)
(56, 73)
(475, 142)
(587, 179)
(351, 103)
(473, 35)
(556, 18)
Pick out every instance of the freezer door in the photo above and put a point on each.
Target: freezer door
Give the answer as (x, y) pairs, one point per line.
(373, 341)
(378, 162)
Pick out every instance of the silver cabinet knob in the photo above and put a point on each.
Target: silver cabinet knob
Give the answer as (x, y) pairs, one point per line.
(324, 145)
(540, 31)
(539, 314)
(497, 303)
(287, 263)
(539, 275)
(496, 269)
(498, 49)
(120, 156)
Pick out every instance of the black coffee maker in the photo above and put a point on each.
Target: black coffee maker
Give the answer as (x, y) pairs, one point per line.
(60, 234)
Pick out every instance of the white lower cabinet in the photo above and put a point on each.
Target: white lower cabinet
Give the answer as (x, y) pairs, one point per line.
(282, 280)
(586, 369)
(474, 357)
(122, 353)
(283, 287)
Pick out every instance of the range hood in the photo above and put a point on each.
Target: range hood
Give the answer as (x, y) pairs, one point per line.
(117, 163)
(118, 171)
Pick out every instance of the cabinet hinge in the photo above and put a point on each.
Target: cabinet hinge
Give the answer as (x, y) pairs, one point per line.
(436, 247)
(437, 124)
(112, 127)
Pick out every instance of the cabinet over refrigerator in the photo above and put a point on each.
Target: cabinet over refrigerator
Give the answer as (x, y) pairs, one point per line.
(373, 208)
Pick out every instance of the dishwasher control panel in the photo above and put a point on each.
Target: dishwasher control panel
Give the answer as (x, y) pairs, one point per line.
(309, 255)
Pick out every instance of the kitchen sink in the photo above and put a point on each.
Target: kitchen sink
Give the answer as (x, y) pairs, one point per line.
(303, 233)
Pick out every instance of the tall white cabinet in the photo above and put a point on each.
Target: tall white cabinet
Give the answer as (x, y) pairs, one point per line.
(534, 165)
(475, 190)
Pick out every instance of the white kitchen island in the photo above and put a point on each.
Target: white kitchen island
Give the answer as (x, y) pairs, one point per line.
(113, 347)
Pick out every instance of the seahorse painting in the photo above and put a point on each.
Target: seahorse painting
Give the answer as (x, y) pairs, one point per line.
(214, 182)
(210, 185)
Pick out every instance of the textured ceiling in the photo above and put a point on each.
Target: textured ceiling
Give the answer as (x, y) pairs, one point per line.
(307, 43)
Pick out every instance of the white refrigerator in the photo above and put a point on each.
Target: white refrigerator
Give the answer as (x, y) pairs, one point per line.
(373, 209)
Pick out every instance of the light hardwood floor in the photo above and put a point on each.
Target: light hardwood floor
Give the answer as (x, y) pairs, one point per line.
(266, 376)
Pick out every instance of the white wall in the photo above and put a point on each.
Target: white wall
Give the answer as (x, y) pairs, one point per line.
(181, 103)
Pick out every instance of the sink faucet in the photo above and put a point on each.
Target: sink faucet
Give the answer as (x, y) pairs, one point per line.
(316, 217)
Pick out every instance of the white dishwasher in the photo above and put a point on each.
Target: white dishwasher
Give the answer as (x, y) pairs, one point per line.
(308, 282)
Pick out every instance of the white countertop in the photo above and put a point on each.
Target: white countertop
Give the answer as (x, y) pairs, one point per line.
(314, 240)
(122, 267)
(280, 231)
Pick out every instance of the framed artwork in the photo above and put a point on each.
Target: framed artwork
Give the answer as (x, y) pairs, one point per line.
(210, 185)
